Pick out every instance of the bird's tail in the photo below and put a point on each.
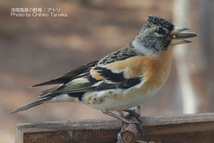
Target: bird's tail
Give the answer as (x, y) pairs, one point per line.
(32, 104)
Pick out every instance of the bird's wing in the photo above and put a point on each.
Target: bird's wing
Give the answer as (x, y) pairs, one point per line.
(119, 69)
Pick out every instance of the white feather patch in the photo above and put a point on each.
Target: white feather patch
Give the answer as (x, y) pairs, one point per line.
(80, 80)
(97, 84)
(62, 98)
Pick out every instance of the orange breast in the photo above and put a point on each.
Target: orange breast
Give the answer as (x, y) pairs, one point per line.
(157, 69)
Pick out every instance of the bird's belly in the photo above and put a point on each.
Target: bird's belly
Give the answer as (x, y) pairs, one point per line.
(117, 99)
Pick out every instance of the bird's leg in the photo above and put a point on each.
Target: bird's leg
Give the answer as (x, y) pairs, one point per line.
(134, 111)
(121, 118)
(121, 114)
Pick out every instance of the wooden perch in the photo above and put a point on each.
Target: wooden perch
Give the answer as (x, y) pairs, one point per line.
(198, 128)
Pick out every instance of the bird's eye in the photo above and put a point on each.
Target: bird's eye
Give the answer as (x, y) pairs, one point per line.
(161, 31)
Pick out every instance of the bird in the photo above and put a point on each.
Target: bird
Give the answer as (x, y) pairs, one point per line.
(124, 78)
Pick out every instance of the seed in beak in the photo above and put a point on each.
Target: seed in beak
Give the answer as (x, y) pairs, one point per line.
(172, 36)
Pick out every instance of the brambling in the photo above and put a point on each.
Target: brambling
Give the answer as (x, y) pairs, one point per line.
(124, 78)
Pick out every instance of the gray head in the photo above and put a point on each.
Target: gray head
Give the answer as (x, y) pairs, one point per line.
(158, 34)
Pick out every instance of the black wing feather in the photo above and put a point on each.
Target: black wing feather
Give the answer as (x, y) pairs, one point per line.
(122, 85)
(109, 75)
(129, 83)
(68, 76)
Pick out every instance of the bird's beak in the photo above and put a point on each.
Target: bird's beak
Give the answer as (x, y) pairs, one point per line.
(178, 36)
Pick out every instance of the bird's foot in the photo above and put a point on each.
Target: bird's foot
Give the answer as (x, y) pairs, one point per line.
(134, 112)
(121, 118)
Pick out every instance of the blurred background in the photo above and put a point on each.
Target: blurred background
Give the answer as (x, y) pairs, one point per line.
(35, 49)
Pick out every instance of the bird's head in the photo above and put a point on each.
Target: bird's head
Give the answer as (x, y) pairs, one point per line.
(158, 34)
